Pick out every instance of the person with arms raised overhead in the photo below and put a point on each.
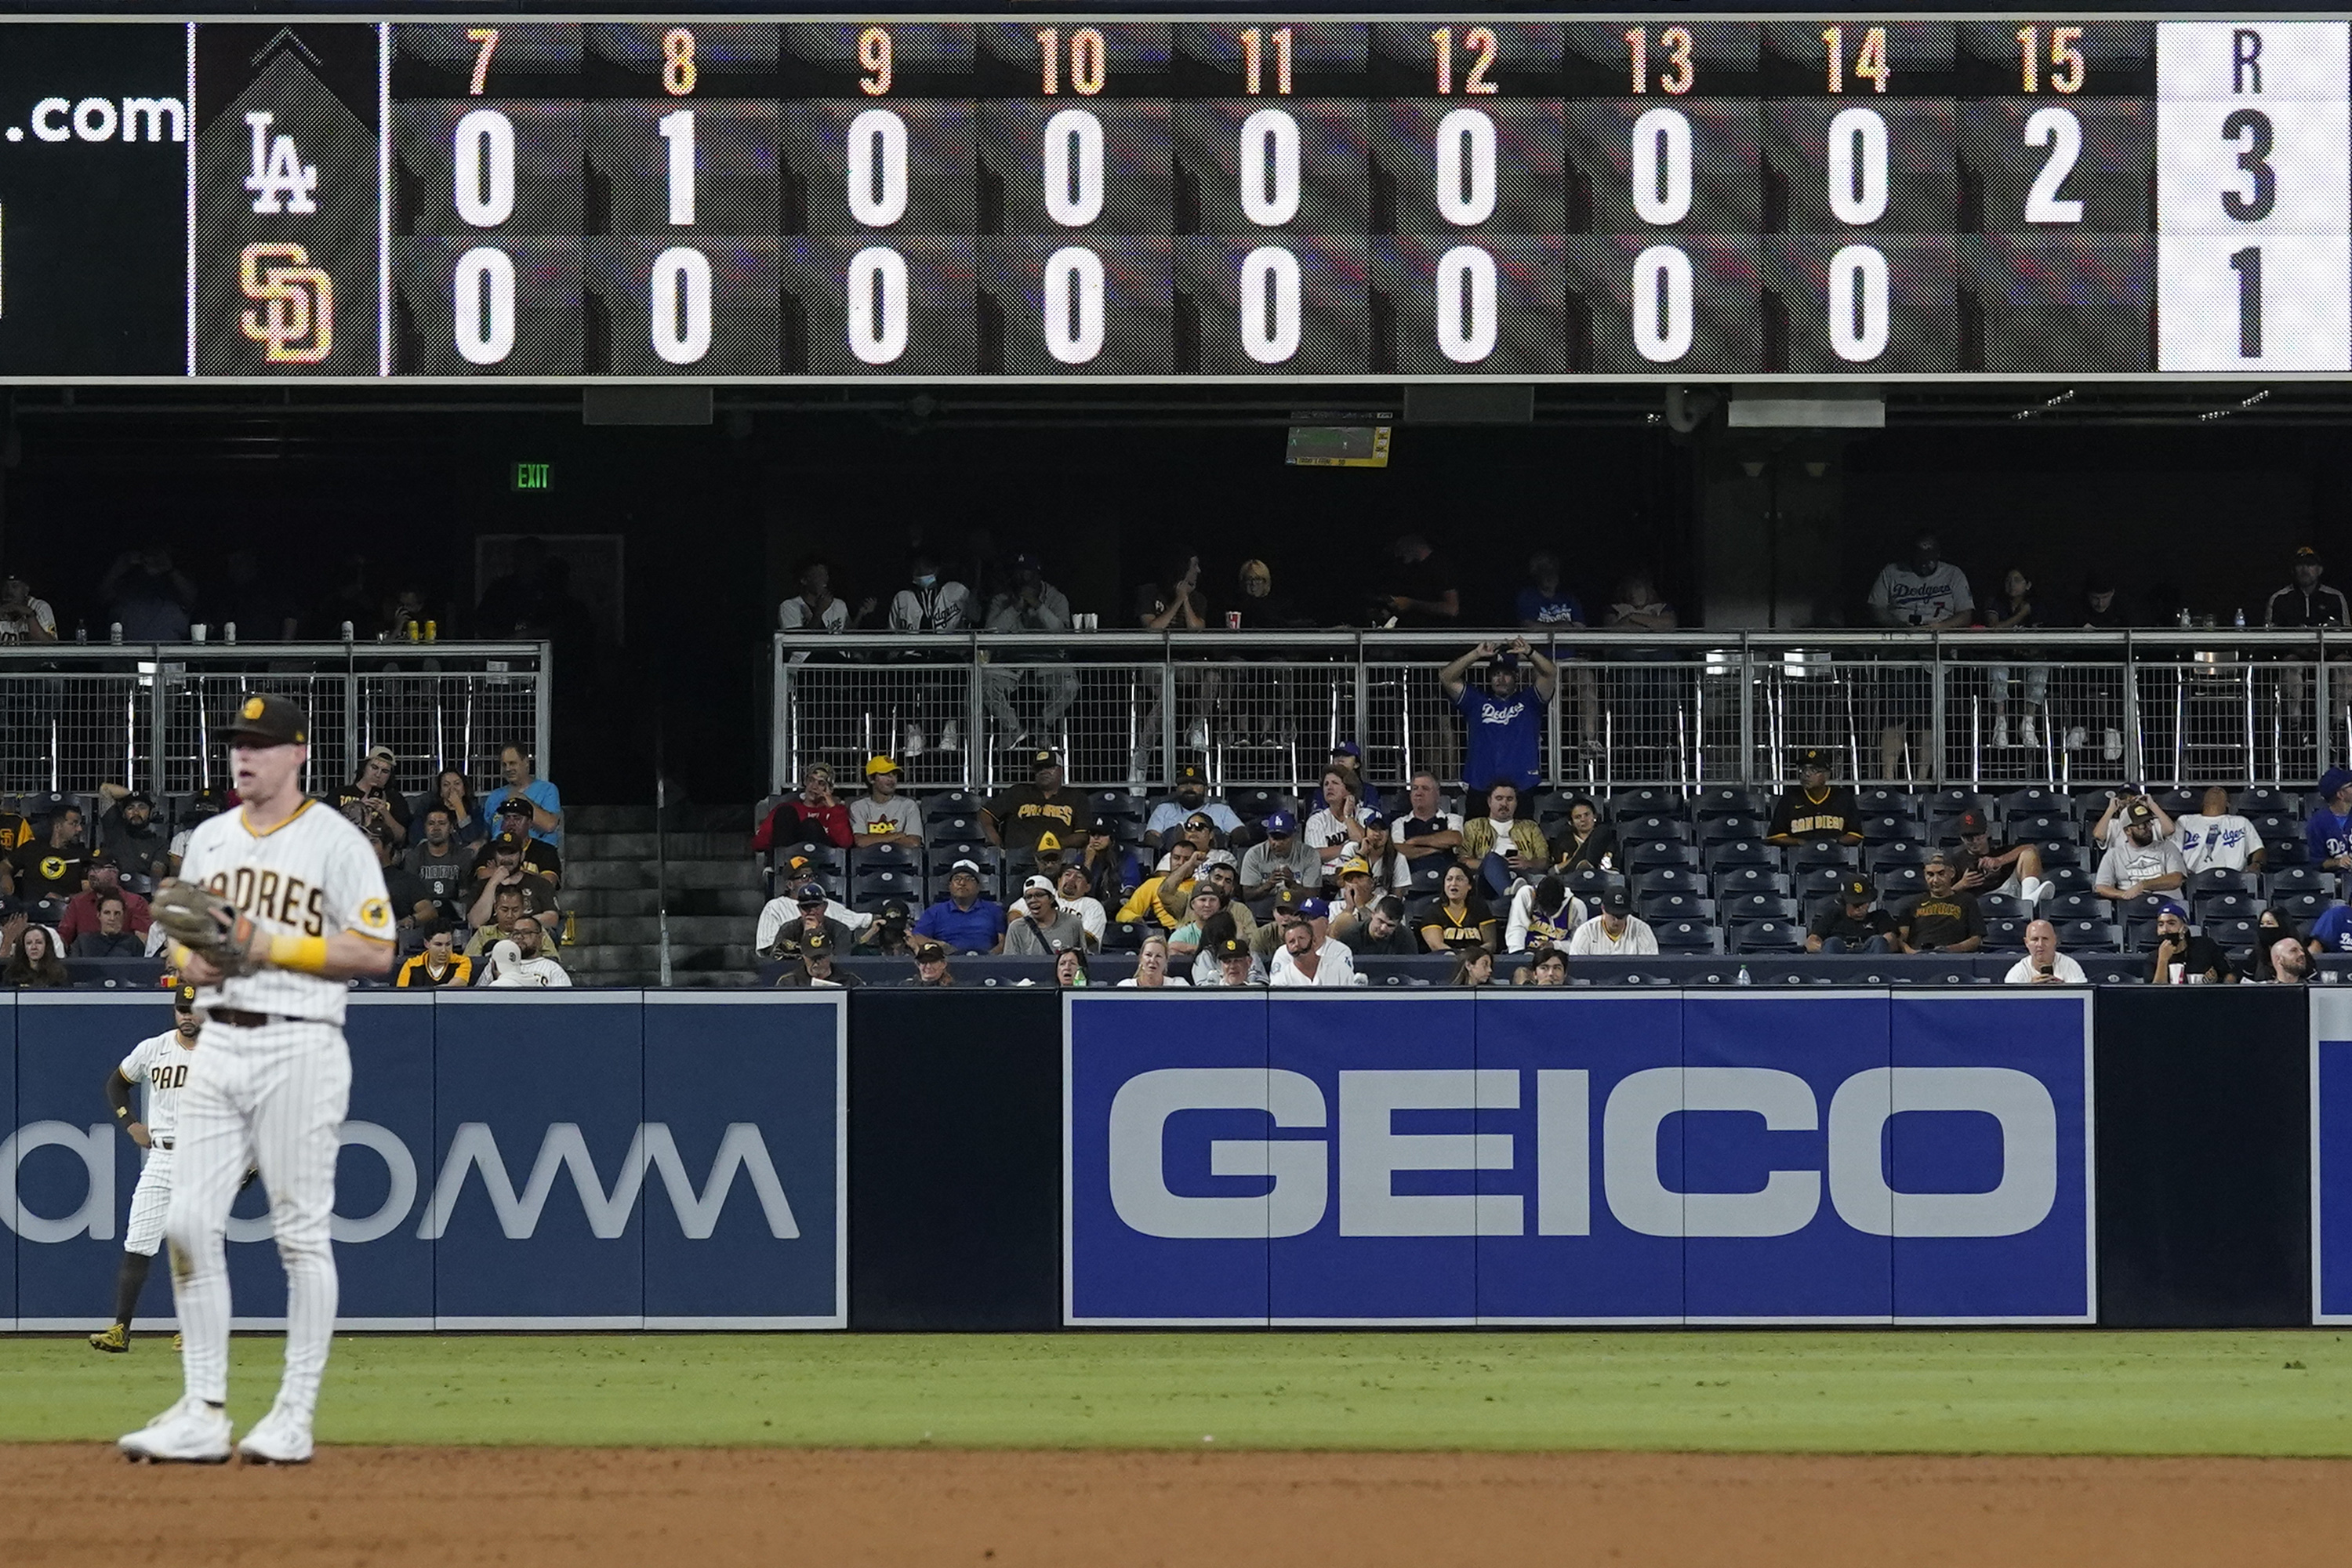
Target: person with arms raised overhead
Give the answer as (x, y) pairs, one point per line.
(1503, 739)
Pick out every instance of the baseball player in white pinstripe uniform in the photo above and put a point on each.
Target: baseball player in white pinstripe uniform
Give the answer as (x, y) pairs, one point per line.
(162, 1063)
(277, 904)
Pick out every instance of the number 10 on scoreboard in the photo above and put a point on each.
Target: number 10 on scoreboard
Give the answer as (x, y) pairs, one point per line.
(2253, 196)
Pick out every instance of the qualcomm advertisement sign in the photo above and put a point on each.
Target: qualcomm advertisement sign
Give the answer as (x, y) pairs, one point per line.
(1515, 1158)
(516, 1160)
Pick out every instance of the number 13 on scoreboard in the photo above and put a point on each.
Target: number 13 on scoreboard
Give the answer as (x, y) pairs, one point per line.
(2253, 196)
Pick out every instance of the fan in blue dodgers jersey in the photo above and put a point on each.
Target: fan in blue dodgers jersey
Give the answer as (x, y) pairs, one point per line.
(277, 905)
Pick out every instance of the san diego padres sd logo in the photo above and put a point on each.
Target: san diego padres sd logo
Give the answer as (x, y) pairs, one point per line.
(297, 325)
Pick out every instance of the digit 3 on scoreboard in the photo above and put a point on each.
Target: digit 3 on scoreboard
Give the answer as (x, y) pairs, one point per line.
(1272, 203)
(1865, 279)
(2253, 196)
(1076, 275)
(489, 250)
(879, 200)
(1462, 288)
(690, 272)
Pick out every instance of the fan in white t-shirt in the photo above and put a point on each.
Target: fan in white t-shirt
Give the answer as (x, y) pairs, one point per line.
(2043, 964)
(2214, 835)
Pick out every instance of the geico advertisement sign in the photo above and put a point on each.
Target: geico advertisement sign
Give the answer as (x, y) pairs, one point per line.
(563, 1151)
(1456, 1157)
(1369, 1153)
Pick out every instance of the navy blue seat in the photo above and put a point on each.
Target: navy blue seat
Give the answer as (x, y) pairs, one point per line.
(2005, 933)
(1897, 883)
(2217, 879)
(1127, 936)
(1646, 800)
(1885, 800)
(1741, 852)
(2066, 879)
(1252, 803)
(886, 858)
(1886, 827)
(2303, 907)
(1657, 908)
(2076, 906)
(1117, 803)
(1947, 803)
(1738, 880)
(1818, 857)
(871, 890)
(1896, 852)
(2228, 906)
(2235, 937)
(2003, 906)
(1731, 825)
(955, 826)
(1652, 828)
(1669, 879)
(2096, 935)
(2033, 827)
(1657, 852)
(1724, 800)
(2266, 800)
(1768, 936)
(1684, 936)
(2033, 801)
(952, 802)
(1745, 908)
(2299, 880)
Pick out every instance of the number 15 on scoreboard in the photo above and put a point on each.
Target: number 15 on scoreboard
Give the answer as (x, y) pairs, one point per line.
(2253, 196)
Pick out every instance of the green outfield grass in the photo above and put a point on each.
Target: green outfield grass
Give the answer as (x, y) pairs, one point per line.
(2283, 1393)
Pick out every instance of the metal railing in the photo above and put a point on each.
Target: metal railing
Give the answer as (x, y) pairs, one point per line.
(152, 716)
(1685, 708)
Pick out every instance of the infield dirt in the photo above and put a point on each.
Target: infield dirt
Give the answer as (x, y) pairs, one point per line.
(80, 1503)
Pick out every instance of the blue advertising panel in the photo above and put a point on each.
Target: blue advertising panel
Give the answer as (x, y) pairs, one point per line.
(385, 1173)
(746, 1091)
(1511, 1158)
(1765, 1236)
(1594, 1242)
(10, 1214)
(1987, 1157)
(2331, 1156)
(538, 1105)
(1398, 1077)
(1179, 1151)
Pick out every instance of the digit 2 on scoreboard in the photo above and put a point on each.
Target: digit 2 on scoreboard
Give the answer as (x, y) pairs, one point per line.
(2253, 196)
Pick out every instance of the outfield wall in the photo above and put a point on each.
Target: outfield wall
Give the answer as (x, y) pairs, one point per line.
(904, 1159)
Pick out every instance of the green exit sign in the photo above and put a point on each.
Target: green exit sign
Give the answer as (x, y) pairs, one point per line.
(534, 477)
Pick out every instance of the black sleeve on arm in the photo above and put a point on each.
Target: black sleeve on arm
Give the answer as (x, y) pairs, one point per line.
(118, 1096)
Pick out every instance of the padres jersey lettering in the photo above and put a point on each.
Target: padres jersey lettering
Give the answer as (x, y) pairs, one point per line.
(312, 875)
(162, 1063)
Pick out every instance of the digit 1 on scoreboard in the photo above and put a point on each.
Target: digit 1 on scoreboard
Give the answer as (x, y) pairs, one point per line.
(2248, 264)
(1253, 42)
(677, 130)
(1869, 61)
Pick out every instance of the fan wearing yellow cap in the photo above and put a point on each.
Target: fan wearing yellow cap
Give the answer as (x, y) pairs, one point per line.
(882, 815)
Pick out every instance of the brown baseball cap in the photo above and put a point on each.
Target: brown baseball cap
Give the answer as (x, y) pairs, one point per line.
(929, 952)
(264, 720)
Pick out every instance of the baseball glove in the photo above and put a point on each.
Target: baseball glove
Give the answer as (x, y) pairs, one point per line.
(203, 922)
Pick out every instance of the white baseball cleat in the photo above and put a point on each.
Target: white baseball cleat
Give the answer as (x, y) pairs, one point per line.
(280, 1438)
(189, 1433)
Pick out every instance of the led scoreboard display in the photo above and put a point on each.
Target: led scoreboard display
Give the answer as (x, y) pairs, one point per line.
(1073, 196)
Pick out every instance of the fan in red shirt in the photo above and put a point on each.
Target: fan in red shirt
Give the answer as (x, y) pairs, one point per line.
(815, 818)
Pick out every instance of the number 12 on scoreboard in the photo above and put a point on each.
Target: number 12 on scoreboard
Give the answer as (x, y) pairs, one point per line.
(2253, 196)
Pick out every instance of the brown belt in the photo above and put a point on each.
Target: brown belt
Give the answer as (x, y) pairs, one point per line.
(245, 1020)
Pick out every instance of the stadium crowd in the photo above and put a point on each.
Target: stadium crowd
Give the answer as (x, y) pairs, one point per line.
(1250, 886)
(475, 882)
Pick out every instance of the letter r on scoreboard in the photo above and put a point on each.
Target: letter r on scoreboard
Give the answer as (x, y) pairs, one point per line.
(2253, 196)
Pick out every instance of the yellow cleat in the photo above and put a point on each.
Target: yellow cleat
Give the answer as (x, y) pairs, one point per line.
(114, 1342)
(175, 1341)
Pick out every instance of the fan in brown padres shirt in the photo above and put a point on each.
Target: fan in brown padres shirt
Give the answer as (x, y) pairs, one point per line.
(1812, 811)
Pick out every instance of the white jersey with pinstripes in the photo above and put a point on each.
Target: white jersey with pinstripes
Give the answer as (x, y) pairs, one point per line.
(160, 1063)
(312, 875)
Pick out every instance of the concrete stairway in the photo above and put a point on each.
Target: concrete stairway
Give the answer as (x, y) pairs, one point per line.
(613, 884)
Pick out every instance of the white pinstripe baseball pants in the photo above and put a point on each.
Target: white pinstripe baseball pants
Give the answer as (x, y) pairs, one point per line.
(150, 1202)
(275, 1094)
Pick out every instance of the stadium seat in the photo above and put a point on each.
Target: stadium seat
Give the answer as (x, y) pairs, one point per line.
(2289, 848)
(2077, 906)
(1116, 804)
(2302, 907)
(952, 802)
(1731, 825)
(2032, 802)
(1741, 852)
(2234, 937)
(2036, 827)
(1746, 908)
(1820, 856)
(2179, 801)
(1724, 800)
(2226, 907)
(2217, 879)
(2142, 910)
(1428, 874)
(961, 826)
(869, 891)
(1588, 882)
(2095, 935)
(1885, 800)
(2003, 906)
(1888, 828)
(1646, 800)
(1738, 880)
(2299, 880)
(1898, 883)
(1253, 802)
(1947, 803)
(1652, 828)
(1684, 936)
(1825, 881)
(2065, 879)
(886, 858)
(1768, 936)
(1549, 806)
(1656, 908)
(1641, 856)
(1896, 852)
(2005, 935)
(1127, 936)
(1668, 879)
(2267, 800)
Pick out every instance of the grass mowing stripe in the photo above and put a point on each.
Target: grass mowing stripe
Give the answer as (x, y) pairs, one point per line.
(1850, 1391)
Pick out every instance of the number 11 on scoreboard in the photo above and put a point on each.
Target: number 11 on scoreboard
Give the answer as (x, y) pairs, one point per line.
(2253, 196)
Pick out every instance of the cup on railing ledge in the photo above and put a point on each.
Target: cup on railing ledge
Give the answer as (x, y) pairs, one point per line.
(114, 634)
(196, 632)
(229, 632)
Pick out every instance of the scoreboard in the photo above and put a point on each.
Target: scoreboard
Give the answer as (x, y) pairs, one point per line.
(1244, 198)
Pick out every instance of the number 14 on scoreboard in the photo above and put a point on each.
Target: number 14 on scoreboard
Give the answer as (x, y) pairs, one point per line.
(2253, 196)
